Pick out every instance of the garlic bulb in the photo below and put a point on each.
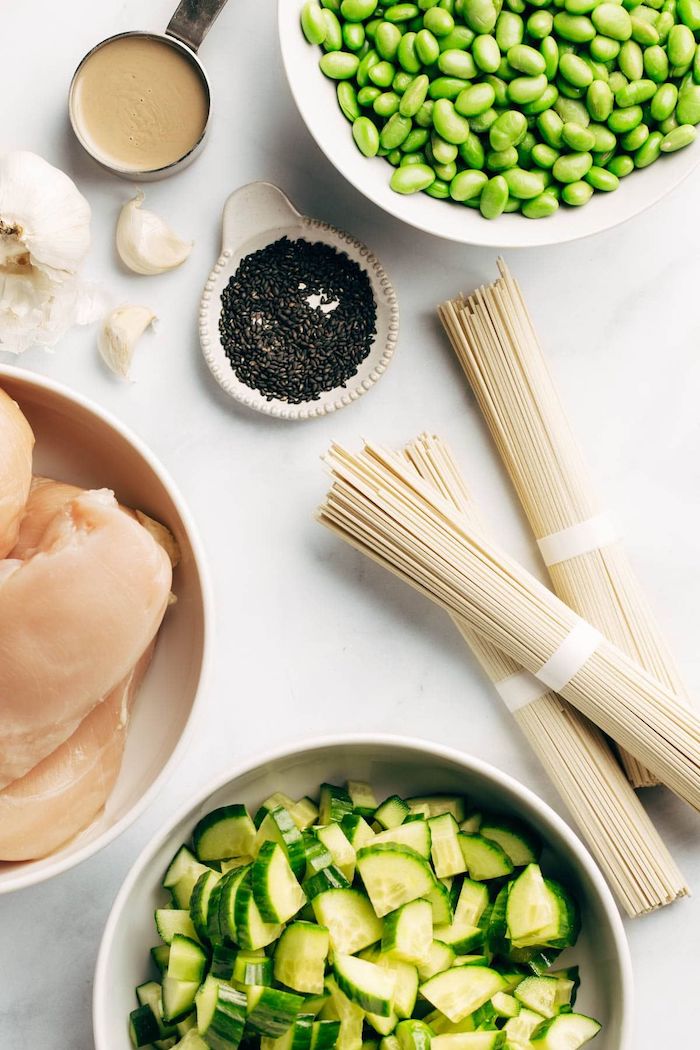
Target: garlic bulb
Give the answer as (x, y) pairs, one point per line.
(120, 332)
(145, 243)
(44, 237)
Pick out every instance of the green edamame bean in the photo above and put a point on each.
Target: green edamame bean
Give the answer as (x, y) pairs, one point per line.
(613, 21)
(525, 150)
(354, 37)
(508, 129)
(568, 90)
(500, 89)
(332, 5)
(426, 47)
(457, 64)
(577, 194)
(480, 15)
(366, 136)
(635, 138)
(313, 22)
(526, 89)
(540, 207)
(645, 13)
(414, 96)
(366, 62)
(664, 24)
(446, 172)
(395, 131)
(415, 140)
(623, 120)
(475, 99)
(413, 179)
(358, 10)
(382, 74)
(387, 40)
(603, 49)
(681, 46)
(617, 80)
(571, 167)
(650, 151)
(510, 30)
(398, 13)
(425, 5)
(696, 66)
(546, 100)
(689, 13)
(550, 126)
(575, 70)
(401, 82)
(368, 95)
(544, 156)
(438, 21)
(501, 160)
(599, 100)
(438, 189)
(333, 40)
(460, 39)
(664, 102)
(347, 100)
(467, 184)
(424, 116)
(539, 24)
(621, 165)
(371, 28)
(631, 60)
(579, 7)
(472, 152)
(549, 49)
(505, 71)
(406, 54)
(578, 138)
(576, 28)
(598, 69)
(526, 60)
(604, 140)
(339, 65)
(445, 87)
(570, 109)
(443, 151)
(524, 184)
(644, 32)
(486, 53)
(386, 104)
(412, 158)
(688, 108)
(448, 123)
(494, 197)
(678, 138)
(656, 63)
(484, 121)
(635, 94)
(518, 7)
(669, 124)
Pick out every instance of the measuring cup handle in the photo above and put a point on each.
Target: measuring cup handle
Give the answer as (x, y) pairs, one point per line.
(193, 19)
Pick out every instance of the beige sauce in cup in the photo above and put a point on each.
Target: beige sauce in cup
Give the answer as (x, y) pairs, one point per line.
(140, 104)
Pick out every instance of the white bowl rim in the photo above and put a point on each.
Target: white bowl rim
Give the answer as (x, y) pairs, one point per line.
(22, 881)
(428, 747)
(509, 231)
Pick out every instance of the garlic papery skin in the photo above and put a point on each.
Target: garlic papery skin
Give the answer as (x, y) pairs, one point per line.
(120, 332)
(146, 244)
(44, 237)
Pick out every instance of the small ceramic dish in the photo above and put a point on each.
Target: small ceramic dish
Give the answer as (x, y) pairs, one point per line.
(77, 441)
(390, 764)
(255, 216)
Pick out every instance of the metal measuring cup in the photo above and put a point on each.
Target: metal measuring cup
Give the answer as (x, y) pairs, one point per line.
(184, 33)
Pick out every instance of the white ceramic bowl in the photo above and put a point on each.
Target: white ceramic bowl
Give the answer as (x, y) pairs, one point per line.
(316, 99)
(391, 764)
(77, 441)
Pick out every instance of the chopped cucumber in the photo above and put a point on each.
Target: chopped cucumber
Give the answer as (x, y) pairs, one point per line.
(415, 833)
(350, 1015)
(472, 902)
(406, 988)
(160, 955)
(192, 1040)
(365, 983)
(393, 875)
(221, 916)
(178, 997)
(225, 832)
(460, 936)
(251, 929)
(316, 854)
(330, 878)
(252, 968)
(434, 805)
(221, 1014)
(540, 994)
(278, 826)
(334, 804)
(300, 957)
(382, 1025)
(349, 918)
(519, 1029)
(408, 932)
(271, 1011)
(446, 853)
(222, 962)
(181, 876)
(304, 813)
(440, 957)
(392, 812)
(491, 1040)
(324, 1035)
(297, 1037)
(413, 1035)
(484, 859)
(565, 1032)
(344, 857)
(440, 900)
(530, 908)
(187, 960)
(472, 823)
(151, 994)
(143, 1026)
(363, 798)
(199, 901)
(274, 801)
(505, 1005)
(461, 990)
(516, 838)
(357, 830)
(277, 893)
(171, 921)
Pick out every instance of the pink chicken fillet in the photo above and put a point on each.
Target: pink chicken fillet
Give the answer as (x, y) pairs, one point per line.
(16, 445)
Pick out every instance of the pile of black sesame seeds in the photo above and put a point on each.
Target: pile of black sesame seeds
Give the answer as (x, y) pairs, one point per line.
(297, 319)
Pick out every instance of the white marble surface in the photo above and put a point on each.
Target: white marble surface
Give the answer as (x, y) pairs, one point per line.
(311, 638)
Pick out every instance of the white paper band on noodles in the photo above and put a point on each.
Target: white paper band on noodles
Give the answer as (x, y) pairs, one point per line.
(585, 536)
(576, 649)
(520, 689)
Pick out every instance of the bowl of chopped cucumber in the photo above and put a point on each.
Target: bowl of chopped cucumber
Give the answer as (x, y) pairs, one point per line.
(500, 123)
(364, 893)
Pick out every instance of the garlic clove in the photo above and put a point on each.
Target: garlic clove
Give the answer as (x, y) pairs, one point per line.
(120, 332)
(146, 244)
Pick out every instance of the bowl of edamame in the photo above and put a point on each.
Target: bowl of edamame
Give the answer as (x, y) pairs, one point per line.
(471, 119)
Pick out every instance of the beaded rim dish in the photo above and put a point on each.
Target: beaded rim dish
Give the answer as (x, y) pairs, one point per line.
(255, 216)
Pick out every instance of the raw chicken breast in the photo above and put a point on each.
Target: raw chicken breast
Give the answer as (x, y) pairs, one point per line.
(62, 796)
(46, 498)
(74, 619)
(16, 444)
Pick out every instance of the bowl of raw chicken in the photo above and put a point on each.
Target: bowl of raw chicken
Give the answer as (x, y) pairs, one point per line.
(104, 608)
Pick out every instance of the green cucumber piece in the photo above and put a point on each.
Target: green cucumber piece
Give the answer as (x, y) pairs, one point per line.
(335, 840)
(143, 1026)
(297, 1036)
(472, 902)
(530, 909)
(406, 988)
(441, 957)
(408, 932)
(440, 1025)
(446, 853)
(415, 833)
(181, 875)
(393, 875)
(471, 824)
(365, 983)
(349, 918)
(434, 805)
(334, 804)
(382, 1025)
(277, 893)
(357, 830)
(440, 899)
(460, 936)
(490, 1040)
(278, 826)
(505, 1005)
(252, 968)
(221, 1014)
(160, 955)
(565, 1032)
(316, 854)
(275, 800)
(363, 798)
(199, 901)
(519, 1029)
(570, 974)
(462, 990)
(221, 916)
(178, 998)
(251, 929)
(413, 1035)
(392, 812)
(540, 994)
(171, 921)
(484, 859)
(187, 960)
(222, 962)
(324, 1035)
(304, 813)
(223, 833)
(515, 837)
(272, 1011)
(350, 1015)
(151, 994)
(192, 1040)
(300, 957)
(330, 878)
